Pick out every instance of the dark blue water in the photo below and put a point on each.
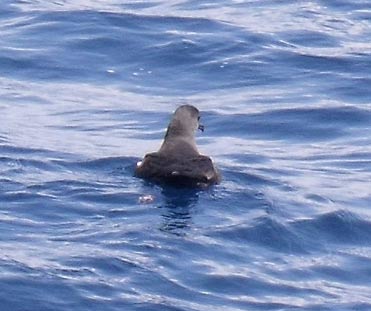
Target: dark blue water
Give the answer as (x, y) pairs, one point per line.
(88, 87)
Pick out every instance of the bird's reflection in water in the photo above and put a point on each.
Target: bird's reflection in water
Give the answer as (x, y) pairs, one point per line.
(177, 209)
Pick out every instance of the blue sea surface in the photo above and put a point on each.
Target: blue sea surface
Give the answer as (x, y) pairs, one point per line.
(88, 87)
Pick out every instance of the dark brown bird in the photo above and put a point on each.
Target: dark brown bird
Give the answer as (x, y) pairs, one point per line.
(178, 161)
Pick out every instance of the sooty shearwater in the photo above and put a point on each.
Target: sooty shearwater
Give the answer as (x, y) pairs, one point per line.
(178, 161)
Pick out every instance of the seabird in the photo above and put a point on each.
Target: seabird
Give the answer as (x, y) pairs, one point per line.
(178, 161)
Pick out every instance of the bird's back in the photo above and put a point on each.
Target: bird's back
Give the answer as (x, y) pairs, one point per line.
(197, 170)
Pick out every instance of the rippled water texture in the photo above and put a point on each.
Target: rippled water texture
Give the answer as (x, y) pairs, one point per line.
(88, 87)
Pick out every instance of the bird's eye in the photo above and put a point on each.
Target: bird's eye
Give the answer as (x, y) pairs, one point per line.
(198, 118)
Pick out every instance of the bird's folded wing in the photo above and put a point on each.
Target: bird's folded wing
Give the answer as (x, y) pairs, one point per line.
(199, 168)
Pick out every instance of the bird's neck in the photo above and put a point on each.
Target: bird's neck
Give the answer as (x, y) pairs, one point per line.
(178, 132)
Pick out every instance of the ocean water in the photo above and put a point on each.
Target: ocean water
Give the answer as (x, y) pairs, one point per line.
(88, 87)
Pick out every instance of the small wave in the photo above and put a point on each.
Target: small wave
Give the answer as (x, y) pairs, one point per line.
(299, 124)
(265, 232)
(340, 226)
